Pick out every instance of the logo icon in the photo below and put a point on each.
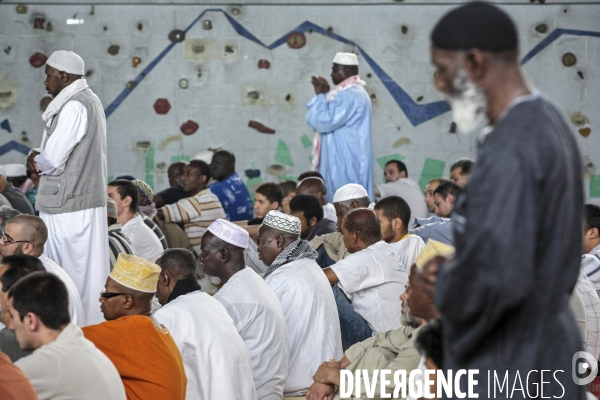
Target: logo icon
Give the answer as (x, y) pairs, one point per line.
(582, 364)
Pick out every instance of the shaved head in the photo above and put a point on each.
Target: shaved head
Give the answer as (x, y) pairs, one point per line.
(314, 186)
(181, 263)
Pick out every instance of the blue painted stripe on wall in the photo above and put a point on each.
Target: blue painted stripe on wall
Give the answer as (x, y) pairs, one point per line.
(13, 145)
(416, 113)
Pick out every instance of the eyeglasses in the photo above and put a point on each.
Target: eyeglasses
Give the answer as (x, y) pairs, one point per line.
(6, 240)
(108, 295)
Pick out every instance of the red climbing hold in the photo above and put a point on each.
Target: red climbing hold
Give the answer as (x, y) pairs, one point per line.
(264, 64)
(260, 127)
(189, 127)
(38, 59)
(162, 106)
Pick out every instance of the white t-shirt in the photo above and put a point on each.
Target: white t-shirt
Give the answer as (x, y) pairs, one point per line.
(406, 250)
(311, 318)
(258, 317)
(410, 191)
(145, 242)
(373, 279)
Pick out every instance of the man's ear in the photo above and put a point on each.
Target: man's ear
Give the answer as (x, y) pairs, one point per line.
(279, 241)
(397, 224)
(451, 199)
(475, 64)
(27, 248)
(593, 232)
(313, 221)
(402, 174)
(63, 77)
(275, 205)
(127, 201)
(165, 277)
(127, 302)
(354, 238)
(225, 255)
(33, 322)
(203, 178)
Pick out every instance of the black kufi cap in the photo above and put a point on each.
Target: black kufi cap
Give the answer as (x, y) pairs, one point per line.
(477, 25)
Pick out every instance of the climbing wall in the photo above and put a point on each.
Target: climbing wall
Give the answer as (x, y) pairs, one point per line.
(177, 80)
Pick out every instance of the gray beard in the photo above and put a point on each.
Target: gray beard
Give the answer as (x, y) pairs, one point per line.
(407, 319)
(468, 103)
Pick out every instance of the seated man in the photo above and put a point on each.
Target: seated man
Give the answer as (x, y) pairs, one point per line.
(15, 197)
(147, 209)
(460, 171)
(429, 189)
(590, 262)
(371, 275)
(308, 209)
(439, 227)
(252, 305)
(125, 195)
(118, 242)
(64, 364)
(6, 213)
(394, 214)
(268, 197)
(316, 186)
(141, 349)
(399, 184)
(27, 234)
(12, 269)
(393, 350)
(175, 192)
(331, 247)
(216, 362)
(305, 297)
(196, 213)
(229, 187)
(289, 191)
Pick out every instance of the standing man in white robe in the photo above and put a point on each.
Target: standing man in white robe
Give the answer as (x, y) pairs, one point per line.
(72, 193)
(252, 305)
(305, 296)
(216, 362)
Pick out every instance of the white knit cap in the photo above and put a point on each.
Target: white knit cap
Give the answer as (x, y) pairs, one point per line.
(15, 170)
(351, 191)
(66, 61)
(230, 233)
(282, 222)
(2, 171)
(345, 59)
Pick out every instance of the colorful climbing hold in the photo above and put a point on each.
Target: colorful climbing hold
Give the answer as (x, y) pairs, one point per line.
(6, 126)
(188, 127)
(162, 106)
(37, 60)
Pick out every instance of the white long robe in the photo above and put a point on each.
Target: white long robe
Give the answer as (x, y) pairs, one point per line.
(77, 241)
(312, 320)
(216, 362)
(75, 305)
(259, 319)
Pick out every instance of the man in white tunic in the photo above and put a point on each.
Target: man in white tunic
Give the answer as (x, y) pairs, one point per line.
(305, 297)
(64, 365)
(251, 303)
(394, 213)
(371, 275)
(216, 362)
(71, 163)
(27, 234)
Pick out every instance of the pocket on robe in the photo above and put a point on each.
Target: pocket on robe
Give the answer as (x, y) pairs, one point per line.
(52, 191)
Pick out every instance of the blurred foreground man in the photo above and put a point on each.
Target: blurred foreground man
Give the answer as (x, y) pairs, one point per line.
(507, 246)
(71, 163)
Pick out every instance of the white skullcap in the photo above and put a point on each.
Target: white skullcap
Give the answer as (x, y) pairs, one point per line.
(351, 191)
(282, 222)
(230, 233)
(345, 59)
(66, 61)
(15, 170)
(2, 171)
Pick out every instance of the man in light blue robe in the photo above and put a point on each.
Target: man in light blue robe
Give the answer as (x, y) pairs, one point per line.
(343, 148)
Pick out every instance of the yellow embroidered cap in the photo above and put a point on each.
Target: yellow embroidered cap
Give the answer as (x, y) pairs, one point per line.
(135, 273)
(433, 248)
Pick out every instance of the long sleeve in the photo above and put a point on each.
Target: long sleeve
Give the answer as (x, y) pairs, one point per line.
(326, 117)
(494, 233)
(42, 369)
(391, 340)
(70, 129)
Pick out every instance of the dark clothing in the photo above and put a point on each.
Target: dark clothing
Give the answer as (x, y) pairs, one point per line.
(255, 221)
(353, 326)
(323, 227)
(182, 287)
(173, 194)
(17, 200)
(323, 258)
(157, 231)
(10, 346)
(504, 300)
(118, 243)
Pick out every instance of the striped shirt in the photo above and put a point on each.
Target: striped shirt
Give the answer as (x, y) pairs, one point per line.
(118, 243)
(590, 265)
(196, 213)
(152, 225)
